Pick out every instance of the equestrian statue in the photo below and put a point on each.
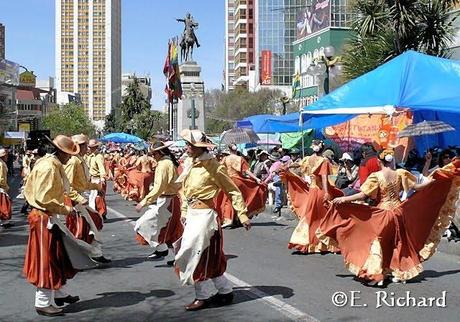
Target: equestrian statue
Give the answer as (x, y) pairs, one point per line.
(188, 39)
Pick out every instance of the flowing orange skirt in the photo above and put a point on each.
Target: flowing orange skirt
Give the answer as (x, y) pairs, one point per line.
(307, 202)
(46, 264)
(173, 229)
(5, 207)
(213, 262)
(375, 242)
(254, 195)
(140, 183)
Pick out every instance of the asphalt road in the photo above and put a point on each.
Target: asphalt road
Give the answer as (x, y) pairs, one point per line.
(271, 284)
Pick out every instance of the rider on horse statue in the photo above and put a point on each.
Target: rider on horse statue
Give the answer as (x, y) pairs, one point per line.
(189, 29)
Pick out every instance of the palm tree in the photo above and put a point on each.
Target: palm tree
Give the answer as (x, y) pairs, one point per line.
(386, 28)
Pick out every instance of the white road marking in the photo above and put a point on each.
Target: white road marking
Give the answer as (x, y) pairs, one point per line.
(282, 307)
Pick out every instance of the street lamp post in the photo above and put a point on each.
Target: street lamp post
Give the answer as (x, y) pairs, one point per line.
(194, 93)
(193, 112)
(323, 66)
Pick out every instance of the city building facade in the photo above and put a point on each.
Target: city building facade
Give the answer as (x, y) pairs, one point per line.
(244, 45)
(144, 85)
(321, 24)
(229, 64)
(455, 48)
(276, 32)
(2, 41)
(88, 53)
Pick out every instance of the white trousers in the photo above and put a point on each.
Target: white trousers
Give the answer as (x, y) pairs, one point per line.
(203, 290)
(45, 297)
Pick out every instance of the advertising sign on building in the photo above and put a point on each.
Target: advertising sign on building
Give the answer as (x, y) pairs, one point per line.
(9, 72)
(24, 127)
(27, 79)
(313, 18)
(266, 68)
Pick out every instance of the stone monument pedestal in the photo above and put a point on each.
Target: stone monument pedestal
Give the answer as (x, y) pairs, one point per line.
(193, 98)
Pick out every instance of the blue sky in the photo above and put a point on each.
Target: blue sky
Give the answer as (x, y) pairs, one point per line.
(146, 27)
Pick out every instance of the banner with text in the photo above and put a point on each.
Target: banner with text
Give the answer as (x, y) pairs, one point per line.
(266, 68)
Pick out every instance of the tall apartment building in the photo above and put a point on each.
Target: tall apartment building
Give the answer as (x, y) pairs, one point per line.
(276, 30)
(229, 69)
(2, 41)
(88, 53)
(244, 41)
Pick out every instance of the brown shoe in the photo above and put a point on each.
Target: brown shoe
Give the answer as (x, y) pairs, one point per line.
(49, 311)
(197, 305)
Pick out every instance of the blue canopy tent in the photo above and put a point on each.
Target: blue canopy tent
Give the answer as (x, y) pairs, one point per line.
(427, 85)
(289, 123)
(121, 138)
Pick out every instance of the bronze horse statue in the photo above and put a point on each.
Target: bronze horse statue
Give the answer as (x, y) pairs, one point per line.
(189, 38)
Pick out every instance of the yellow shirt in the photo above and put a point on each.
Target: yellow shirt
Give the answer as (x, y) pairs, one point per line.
(78, 174)
(4, 176)
(204, 181)
(45, 185)
(96, 166)
(164, 181)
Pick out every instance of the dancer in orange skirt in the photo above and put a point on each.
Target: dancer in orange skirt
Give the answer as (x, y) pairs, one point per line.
(394, 237)
(200, 260)
(160, 226)
(85, 223)
(47, 264)
(254, 192)
(5, 201)
(316, 169)
(95, 162)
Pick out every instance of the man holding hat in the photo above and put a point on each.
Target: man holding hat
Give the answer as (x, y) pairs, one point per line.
(85, 224)
(95, 162)
(161, 225)
(200, 260)
(47, 265)
(5, 201)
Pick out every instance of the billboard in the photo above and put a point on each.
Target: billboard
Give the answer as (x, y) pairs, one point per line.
(313, 18)
(9, 72)
(266, 68)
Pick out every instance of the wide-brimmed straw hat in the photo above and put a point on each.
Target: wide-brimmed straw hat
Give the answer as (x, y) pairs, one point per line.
(66, 145)
(80, 139)
(262, 152)
(3, 152)
(157, 146)
(346, 156)
(196, 138)
(93, 143)
(275, 156)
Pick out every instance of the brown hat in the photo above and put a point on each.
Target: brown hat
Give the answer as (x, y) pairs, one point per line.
(3, 152)
(157, 146)
(66, 145)
(93, 143)
(196, 138)
(80, 139)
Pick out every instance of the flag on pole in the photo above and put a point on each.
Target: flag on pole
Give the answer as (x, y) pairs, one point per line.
(171, 70)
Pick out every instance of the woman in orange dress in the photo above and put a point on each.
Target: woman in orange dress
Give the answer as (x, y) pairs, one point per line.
(316, 169)
(394, 237)
(254, 192)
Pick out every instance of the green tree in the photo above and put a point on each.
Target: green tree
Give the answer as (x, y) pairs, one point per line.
(133, 104)
(224, 109)
(148, 123)
(69, 119)
(386, 28)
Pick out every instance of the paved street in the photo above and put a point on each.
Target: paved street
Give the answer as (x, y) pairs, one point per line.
(271, 284)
